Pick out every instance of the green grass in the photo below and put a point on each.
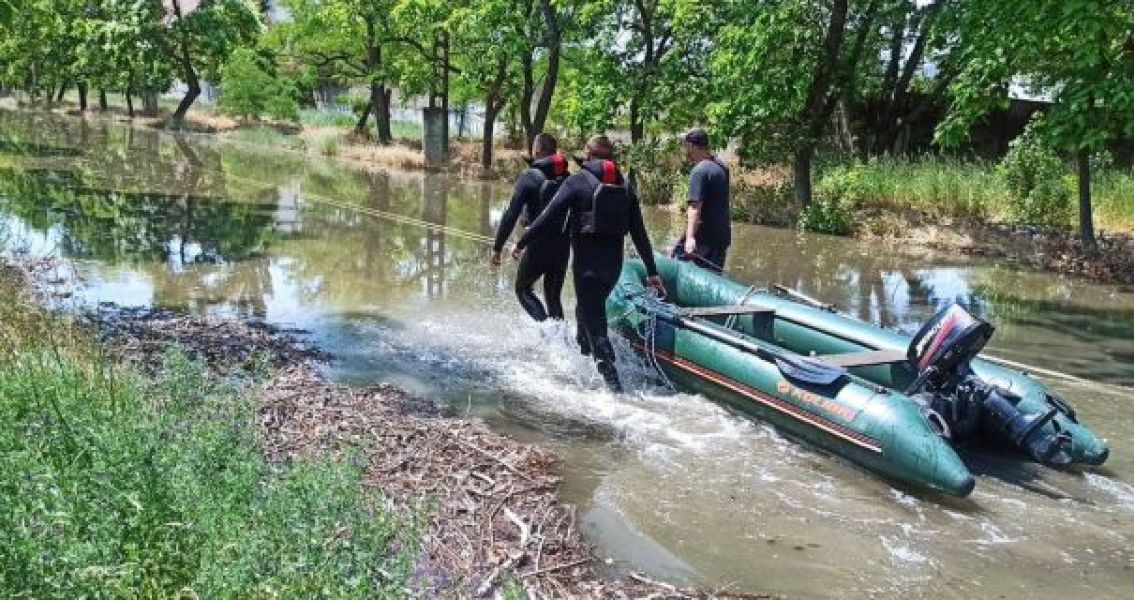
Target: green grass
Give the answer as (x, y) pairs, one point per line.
(974, 190)
(329, 146)
(405, 130)
(1114, 199)
(326, 118)
(267, 136)
(936, 185)
(115, 485)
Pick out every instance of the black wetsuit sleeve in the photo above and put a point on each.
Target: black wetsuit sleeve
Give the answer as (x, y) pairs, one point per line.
(641, 238)
(550, 217)
(512, 213)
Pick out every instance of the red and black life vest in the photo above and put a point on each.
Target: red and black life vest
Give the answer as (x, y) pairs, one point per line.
(608, 214)
(547, 188)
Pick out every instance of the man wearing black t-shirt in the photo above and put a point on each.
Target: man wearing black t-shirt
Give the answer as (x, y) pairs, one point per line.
(708, 232)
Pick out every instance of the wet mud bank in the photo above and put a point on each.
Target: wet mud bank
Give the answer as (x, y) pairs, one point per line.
(1110, 261)
(494, 523)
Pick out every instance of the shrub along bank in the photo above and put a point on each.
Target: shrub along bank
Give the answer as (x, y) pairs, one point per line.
(115, 484)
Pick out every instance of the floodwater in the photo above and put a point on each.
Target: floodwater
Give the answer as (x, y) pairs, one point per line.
(670, 483)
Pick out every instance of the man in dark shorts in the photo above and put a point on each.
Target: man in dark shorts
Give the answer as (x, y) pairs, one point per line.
(708, 232)
(547, 259)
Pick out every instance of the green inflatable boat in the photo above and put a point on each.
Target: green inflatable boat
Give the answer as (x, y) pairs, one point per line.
(889, 403)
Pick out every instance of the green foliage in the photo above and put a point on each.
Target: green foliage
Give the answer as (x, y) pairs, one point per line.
(244, 85)
(1115, 195)
(281, 104)
(838, 193)
(934, 185)
(845, 183)
(1046, 47)
(1034, 176)
(325, 118)
(763, 204)
(1080, 52)
(660, 177)
(329, 146)
(649, 58)
(115, 486)
(248, 90)
(827, 215)
(782, 67)
(119, 45)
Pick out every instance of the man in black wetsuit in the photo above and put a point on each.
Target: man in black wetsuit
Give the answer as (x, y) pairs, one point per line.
(547, 258)
(708, 231)
(600, 210)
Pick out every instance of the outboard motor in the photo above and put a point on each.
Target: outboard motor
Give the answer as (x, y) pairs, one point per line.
(942, 352)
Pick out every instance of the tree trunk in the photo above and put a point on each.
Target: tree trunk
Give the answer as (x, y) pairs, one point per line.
(515, 130)
(380, 103)
(189, 98)
(129, 104)
(149, 103)
(102, 103)
(801, 172)
(82, 96)
(59, 96)
(526, 95)
(493, 104)
(490, 111)
(443, 56)
(637, 123)
(842, 123)
(1086, 214)
(188, 72)
(360, 126)
(554, 49)
(379, 95)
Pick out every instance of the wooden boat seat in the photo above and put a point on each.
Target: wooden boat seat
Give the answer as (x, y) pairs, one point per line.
(866, 358)
(726, 311)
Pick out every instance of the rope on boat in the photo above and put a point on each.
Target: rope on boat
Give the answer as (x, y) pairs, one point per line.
(651, 303)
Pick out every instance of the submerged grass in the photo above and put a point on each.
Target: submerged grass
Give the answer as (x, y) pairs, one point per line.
(115, 485)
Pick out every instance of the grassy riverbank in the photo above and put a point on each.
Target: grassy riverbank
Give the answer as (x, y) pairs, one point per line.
(121, 484)
(186, 457)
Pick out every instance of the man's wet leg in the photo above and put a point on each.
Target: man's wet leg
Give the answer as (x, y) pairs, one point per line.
(526, 276)
(553, 280)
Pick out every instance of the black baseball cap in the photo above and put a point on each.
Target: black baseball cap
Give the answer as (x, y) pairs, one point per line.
(698, 137)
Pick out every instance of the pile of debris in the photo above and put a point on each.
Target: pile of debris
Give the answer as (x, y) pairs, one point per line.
(143, 336)
(496, 517)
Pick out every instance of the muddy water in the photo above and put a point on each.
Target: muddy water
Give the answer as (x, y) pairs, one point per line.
(671, 483)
